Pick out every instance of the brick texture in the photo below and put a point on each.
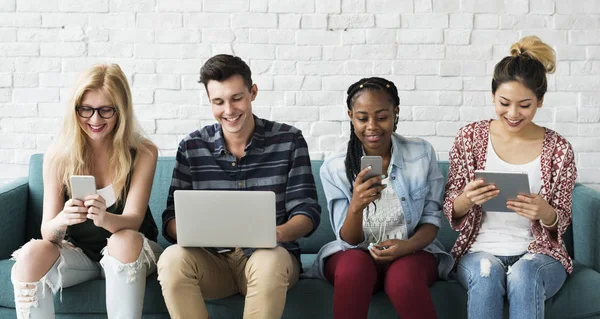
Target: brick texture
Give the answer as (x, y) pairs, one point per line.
(303, 54)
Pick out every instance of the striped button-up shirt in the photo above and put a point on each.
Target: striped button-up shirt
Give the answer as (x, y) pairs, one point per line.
(276, 159)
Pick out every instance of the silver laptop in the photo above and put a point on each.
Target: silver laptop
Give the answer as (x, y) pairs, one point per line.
(225, 218)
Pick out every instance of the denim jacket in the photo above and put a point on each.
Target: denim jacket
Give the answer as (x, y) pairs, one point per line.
(416, 180)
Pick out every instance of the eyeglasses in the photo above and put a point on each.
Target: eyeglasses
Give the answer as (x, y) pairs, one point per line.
(105, 112)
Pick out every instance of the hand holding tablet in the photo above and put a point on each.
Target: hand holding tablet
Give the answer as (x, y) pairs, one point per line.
(534, 207)
(477, 192)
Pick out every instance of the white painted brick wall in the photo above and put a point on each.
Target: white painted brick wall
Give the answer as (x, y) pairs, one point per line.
(304, 55)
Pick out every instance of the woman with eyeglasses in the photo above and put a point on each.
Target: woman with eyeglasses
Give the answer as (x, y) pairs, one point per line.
(109, 234)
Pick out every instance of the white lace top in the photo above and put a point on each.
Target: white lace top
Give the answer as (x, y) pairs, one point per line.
(386, 220)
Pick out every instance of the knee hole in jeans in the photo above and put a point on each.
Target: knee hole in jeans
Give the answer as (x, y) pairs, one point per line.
(485, 267)
(27, 293)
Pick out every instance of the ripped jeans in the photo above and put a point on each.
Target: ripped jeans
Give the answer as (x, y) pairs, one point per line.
(125, 282)
(526, 281)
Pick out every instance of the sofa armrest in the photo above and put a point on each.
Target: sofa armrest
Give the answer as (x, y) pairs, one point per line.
(13, 212)
(586, 226)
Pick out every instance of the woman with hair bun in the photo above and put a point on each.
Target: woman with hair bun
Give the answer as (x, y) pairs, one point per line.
(520, 255)
(386, 225)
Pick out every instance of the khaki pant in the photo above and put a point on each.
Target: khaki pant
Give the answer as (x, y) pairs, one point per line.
(190, 275)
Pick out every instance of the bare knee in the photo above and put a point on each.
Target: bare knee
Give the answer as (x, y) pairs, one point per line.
(125, 245)
(34, 260)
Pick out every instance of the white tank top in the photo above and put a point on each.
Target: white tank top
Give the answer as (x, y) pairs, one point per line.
(507, 234)
(108, 193)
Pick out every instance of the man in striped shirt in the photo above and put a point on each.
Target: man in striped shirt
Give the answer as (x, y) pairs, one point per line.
(240, 152)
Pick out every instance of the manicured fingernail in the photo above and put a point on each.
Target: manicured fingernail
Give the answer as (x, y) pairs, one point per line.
(382, 175)
(369, 167)
(384, 185)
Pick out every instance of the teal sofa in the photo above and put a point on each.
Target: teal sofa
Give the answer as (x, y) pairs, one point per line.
(20, 217)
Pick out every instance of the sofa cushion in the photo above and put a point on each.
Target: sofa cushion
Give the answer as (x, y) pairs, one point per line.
(35, 197)
(579, 297)
(160, 192)
(13, 197)
(307, 260)
(323, 234)
(586, 224)
(314, 298)
(309, 298)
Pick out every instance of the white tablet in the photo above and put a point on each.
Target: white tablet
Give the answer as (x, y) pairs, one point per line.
(510, 185)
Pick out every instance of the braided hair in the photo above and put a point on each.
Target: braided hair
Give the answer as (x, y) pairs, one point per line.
(355, 150)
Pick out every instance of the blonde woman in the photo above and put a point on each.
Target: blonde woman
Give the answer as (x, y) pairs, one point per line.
(519, 256)
(110, 234)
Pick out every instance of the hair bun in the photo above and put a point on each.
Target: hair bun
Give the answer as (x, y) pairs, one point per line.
(533, 47)
(515, 50)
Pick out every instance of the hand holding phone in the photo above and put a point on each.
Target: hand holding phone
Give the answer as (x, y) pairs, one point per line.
(367, 186)
(74, 212)
(82, 189)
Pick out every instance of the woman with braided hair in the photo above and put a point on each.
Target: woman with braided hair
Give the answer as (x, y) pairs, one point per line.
(385, 226)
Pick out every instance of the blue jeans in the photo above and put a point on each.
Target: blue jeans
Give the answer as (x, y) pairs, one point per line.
(527, 281)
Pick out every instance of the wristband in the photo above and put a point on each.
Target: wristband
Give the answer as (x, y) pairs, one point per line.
(553, 224)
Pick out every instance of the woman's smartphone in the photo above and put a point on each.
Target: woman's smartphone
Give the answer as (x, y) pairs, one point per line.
(376, 163)
(82, 186)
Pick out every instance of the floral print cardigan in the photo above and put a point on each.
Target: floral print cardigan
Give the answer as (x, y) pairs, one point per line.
(468, 154)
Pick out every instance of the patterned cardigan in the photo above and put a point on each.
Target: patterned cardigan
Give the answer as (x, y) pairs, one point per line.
(558, 179)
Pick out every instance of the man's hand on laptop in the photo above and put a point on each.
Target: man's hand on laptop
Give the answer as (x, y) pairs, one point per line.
(172, 229)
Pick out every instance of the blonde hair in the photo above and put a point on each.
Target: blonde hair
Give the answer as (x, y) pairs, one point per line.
(72, 152)
(529, 61)
(533, 47)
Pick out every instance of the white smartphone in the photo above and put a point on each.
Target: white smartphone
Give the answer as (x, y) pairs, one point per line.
(82, 186)
(376, 163)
